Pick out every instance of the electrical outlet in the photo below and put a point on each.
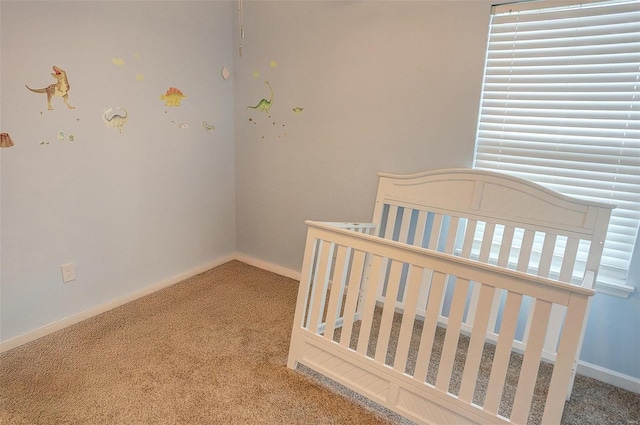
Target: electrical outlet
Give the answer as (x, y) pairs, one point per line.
(68, 273)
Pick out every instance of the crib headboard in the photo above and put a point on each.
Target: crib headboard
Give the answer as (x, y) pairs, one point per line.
(483, 214)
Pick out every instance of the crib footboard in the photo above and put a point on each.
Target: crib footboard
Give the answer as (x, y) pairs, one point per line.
(405, 359)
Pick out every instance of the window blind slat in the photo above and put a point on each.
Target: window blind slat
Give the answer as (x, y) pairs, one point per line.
(498, 134)
(625, 126)
(504, 76)
(617, 43)
(563, 86)
(552, 110)
(566, 130)
(607, 145)
(624, 59)
(603, 14)
(569, 105)
(592, 96)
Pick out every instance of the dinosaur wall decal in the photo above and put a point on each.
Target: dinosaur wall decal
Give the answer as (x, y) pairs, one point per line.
(264, 105)
(60, 88)
(115, 117)
(172, 97)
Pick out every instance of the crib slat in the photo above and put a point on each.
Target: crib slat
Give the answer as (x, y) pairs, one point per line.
(473, 303)
(476, 343)
(425, 287)
(553, 331)
(343, 286)
(544, 266)
(531, 362)
(503, 261)
(502, 352)
(418, 240)
(453, 334)
(317, 303)
(390, 223)
(557, 311)
(505, 246)
(355, 278)
(525, 250)
(452, 232)
(565, 361)
(421, 223)
(387, 313)
(436, 227)
(369, 304)
(408, 318)
(429, 327)
(335, 295)
(404, 225)
(569, 259)
(546, 257)
(403, 236)
(487, 240)
(389, 231)
(469, 236)
(434, 239)
(485, 251)
(523, 266)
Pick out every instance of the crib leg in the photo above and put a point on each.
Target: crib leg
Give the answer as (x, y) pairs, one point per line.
(589, 277)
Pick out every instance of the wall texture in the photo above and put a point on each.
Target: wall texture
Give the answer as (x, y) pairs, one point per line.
(128, 209)
(385, 86)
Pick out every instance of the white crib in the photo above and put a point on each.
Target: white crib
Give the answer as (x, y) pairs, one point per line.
(496, 263)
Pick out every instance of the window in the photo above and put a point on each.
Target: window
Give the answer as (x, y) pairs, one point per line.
(561, 106)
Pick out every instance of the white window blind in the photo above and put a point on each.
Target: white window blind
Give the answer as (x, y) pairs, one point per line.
(561, 107)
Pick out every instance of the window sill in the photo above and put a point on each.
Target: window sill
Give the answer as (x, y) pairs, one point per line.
(621, 291)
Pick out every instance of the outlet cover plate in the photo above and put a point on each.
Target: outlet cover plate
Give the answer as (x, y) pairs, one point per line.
(68, 273)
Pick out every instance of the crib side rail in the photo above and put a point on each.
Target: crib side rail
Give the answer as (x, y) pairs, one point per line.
(367, 228)
(325, 323)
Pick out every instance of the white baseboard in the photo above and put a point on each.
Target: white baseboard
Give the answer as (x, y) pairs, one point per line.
(270, 267)
(609, 376)
(94, 311)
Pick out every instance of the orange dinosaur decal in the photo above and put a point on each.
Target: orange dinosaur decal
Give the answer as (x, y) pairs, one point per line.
(60, 88)
(172, 97)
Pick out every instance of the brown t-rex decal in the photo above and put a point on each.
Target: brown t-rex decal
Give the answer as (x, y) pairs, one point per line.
(60, 88)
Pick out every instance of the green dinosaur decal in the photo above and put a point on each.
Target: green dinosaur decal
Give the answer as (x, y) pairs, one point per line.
(264, 105)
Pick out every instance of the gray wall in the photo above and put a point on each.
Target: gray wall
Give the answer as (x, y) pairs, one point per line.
(132, 209)
(385, 86)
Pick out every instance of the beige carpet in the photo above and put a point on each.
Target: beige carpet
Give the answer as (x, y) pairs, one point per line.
(209, 350)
